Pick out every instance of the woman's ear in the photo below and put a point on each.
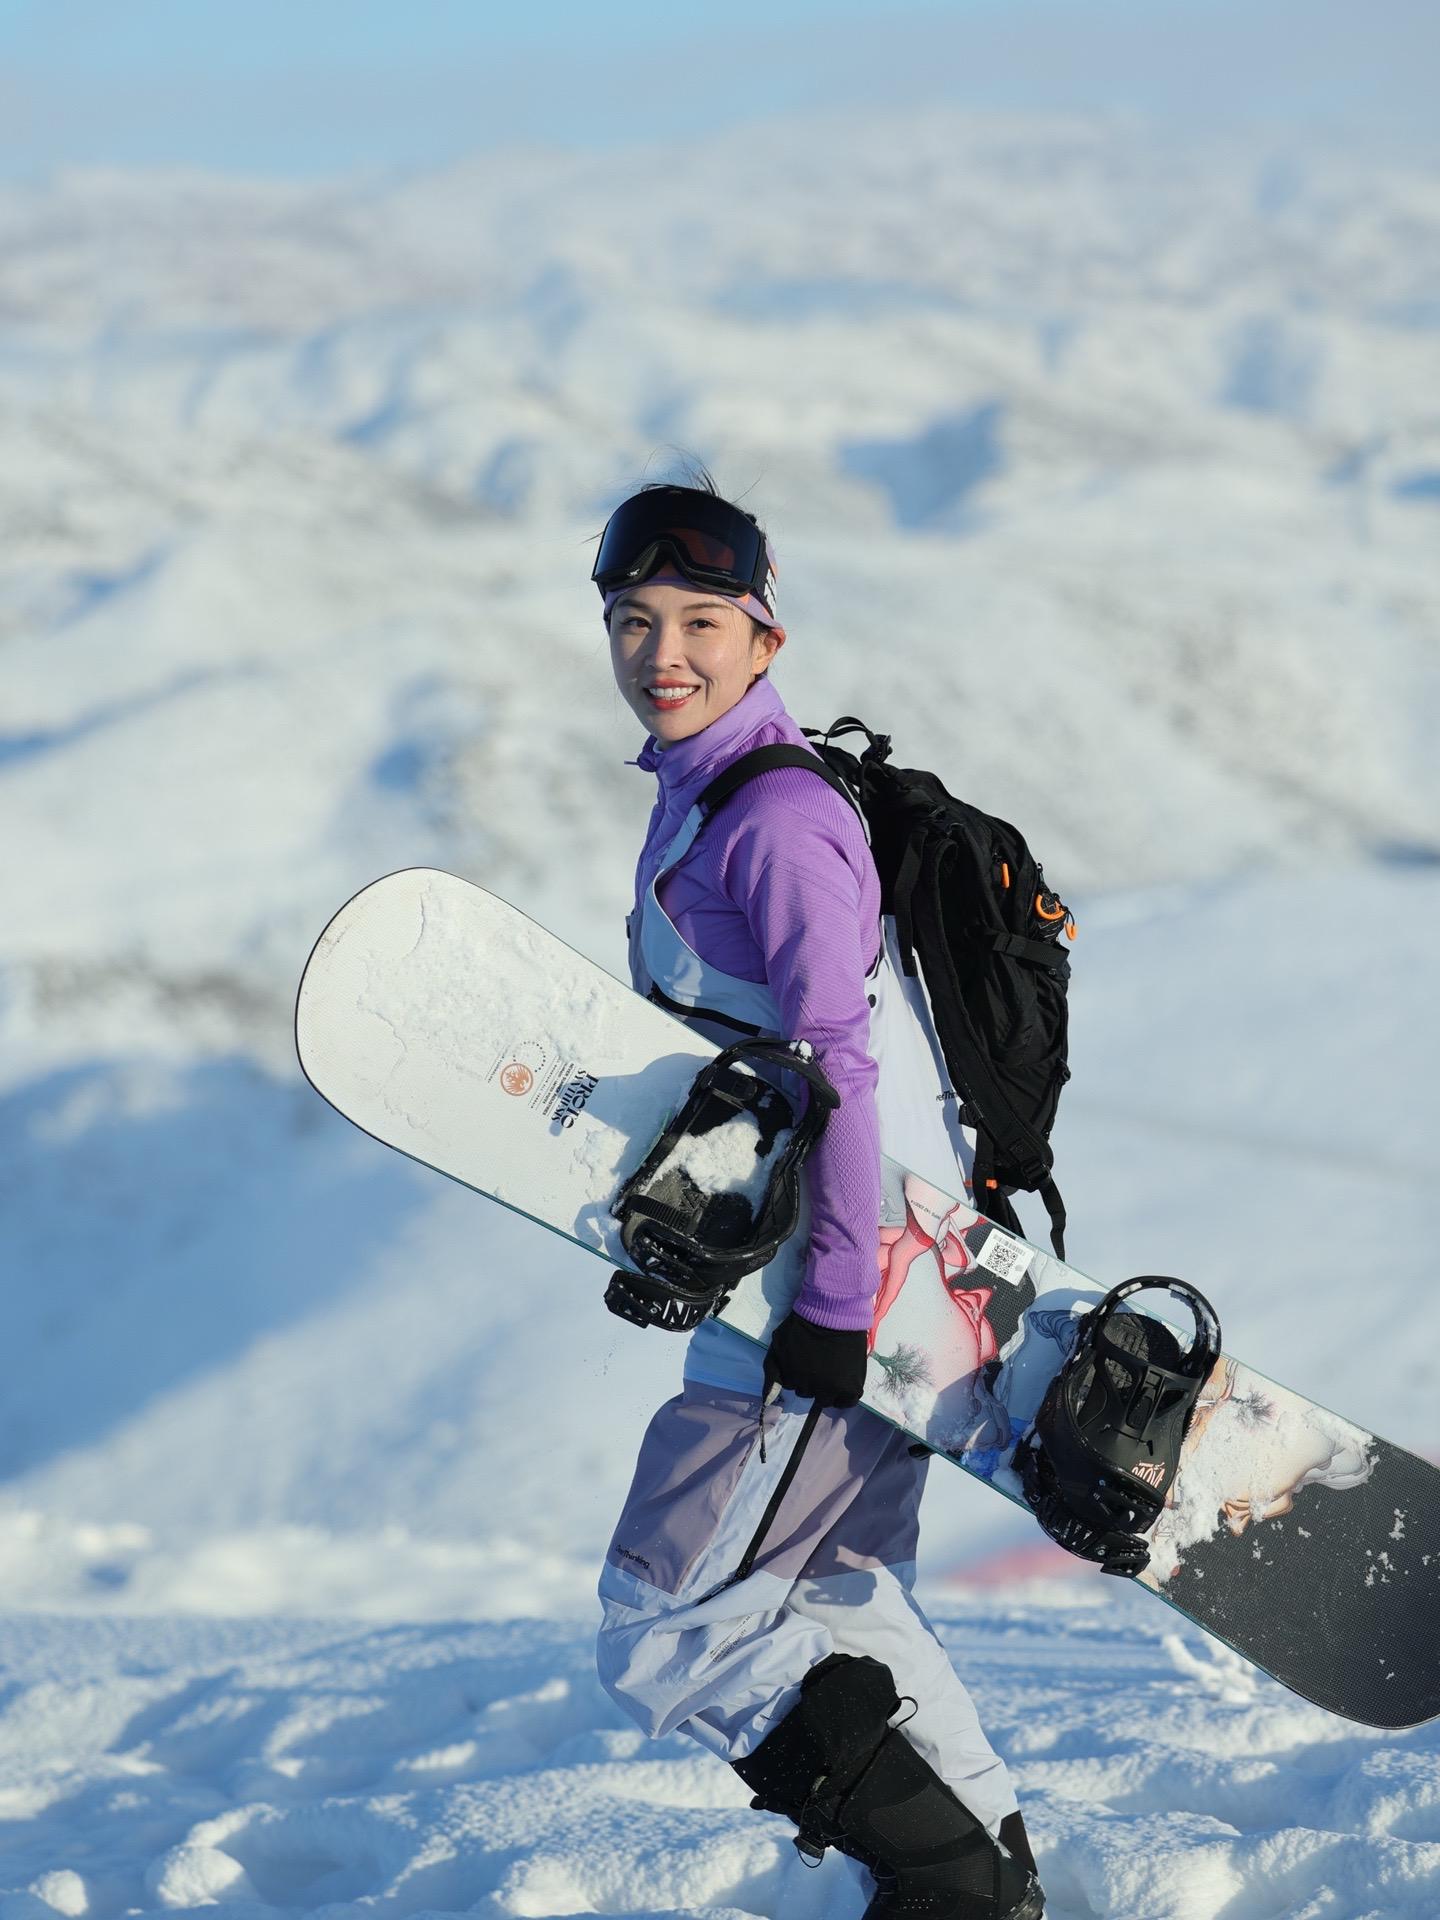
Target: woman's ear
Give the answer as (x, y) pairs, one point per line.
(772, 638)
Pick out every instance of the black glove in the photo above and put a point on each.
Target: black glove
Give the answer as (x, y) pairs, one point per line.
(823, 1364)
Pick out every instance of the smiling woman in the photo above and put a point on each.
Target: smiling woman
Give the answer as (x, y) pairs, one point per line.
(786, 1657)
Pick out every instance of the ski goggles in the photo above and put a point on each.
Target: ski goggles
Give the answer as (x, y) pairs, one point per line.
(711, 543)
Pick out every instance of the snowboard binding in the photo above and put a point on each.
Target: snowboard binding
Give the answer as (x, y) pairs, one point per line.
(692, 1247)
(1105, 1447)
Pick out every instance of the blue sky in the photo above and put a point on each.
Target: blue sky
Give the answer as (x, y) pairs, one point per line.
(320, 86)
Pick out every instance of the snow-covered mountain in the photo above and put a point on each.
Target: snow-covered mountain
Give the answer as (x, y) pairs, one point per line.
(1104, 471)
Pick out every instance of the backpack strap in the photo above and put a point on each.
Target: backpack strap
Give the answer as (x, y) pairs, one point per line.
(1039, 953)
(906, 880)
(766, 760)
(1055, 1207)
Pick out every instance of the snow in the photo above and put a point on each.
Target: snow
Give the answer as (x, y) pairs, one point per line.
(727, 1159)
(153, 1765)
(1098, 472)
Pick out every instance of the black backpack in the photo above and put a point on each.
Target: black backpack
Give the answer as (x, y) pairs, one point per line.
(972, 909)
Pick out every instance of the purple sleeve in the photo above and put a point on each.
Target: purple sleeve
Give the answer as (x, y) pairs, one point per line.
(804, 894)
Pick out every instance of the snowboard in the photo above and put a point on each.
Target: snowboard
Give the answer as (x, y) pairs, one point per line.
(448, 1025)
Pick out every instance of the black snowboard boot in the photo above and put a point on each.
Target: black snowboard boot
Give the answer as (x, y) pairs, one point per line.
(848, 1779)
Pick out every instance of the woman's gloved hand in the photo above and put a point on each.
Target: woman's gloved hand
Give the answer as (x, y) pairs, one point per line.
(824, 1364)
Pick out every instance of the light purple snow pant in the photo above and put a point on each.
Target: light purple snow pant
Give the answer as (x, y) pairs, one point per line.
(834, 1576)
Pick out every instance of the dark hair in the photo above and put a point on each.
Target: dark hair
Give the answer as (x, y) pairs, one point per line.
(699, 476)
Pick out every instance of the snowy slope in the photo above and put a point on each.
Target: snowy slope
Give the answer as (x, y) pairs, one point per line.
(271, 1767)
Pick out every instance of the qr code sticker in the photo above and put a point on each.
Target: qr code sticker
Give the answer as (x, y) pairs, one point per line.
(1006, 1259)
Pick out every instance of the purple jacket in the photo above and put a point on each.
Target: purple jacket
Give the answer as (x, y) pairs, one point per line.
(780, 887)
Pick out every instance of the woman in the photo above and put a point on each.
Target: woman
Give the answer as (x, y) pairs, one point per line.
(770, 918)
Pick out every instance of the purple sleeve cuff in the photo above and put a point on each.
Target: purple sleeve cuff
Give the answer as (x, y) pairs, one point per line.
(845, 1312)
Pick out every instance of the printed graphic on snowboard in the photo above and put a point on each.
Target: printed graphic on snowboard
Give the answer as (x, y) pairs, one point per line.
(967, 1282)
(1308, 1545)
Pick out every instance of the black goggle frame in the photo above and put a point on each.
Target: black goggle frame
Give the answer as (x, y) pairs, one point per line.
(708, 540)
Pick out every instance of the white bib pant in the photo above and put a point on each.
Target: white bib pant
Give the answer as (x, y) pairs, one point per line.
(680, 1648)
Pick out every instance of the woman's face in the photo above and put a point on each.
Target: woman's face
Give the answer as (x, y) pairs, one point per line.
(684, 636)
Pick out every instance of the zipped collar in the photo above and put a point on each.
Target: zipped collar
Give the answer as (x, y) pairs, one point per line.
(701, 755)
